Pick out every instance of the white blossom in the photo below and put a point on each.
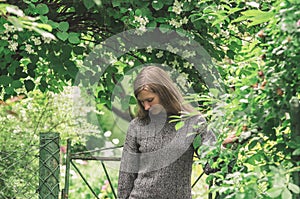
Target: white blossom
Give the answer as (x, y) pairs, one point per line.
(172, 49)
(182, 80)
(9, 28)
(28, 48)
(175, 63)
(178, 23)
(47, 40)
(149, 49)
(183, 42)
(160, 54)
(188, 65)
(184, 20)
(187, 54)
(15, 36)
(36, 40)
(175, 23)
(164, 64)
(140, 30)
(177, 7)
(6, 26)
(115, 141)
(13, 46)
(141, 20)
(131, 63)
(4, 38)
(107, 134)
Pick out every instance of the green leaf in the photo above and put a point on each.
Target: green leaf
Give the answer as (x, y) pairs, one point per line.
(256, 16)
(252, 13)
(152, 24)
(78, 50)
(230, 54)
(63, 26)
(138, 12)
(12, 68)
(181, 32)
(44, 19)
(215, 92)
(74, 38)
(132, 100)
(157, 5)
(274, 192)
(165, 28)
(239, 19)
(252, 144)
(29, 85)
(44, 33)
(62, 35)
(233, 10)
(44, 26)
(259, 20)
(197, 141)
(42, 9)
(179, 125)
(116, 3)
(72, 69)
(9, 90)
(294, 188)
(5, 80)
(160, 19)
(16, 22)
(219, 20)
(16, 84)
(296, 152)
(286, 194)
(53, 24)
(88, 3)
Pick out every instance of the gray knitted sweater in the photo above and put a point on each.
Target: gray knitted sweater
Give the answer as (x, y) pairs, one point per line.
(157, 160)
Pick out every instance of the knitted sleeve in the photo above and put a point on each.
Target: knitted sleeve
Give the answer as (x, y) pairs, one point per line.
(129, 163)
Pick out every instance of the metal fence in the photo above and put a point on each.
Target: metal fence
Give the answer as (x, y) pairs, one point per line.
(31, 169)
(86, 155)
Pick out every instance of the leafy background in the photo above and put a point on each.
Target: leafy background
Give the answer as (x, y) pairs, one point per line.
(254, 46)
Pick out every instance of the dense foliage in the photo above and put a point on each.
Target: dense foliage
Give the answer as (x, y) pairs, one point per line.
(254, 47)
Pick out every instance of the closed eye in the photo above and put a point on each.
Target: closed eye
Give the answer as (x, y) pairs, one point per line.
(147, 100)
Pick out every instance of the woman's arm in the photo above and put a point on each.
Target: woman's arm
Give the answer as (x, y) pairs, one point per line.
(129, 164)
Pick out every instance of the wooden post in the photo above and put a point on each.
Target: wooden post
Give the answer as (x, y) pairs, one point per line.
(49, 170)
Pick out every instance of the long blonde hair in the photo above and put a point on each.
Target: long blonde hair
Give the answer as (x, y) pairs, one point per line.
(156, 80)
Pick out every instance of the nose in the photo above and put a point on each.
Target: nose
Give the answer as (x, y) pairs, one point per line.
(146, 106)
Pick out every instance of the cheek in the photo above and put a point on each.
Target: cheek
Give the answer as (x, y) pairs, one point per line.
(156, 101)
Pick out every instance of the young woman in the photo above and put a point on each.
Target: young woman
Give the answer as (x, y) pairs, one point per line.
(157, 159)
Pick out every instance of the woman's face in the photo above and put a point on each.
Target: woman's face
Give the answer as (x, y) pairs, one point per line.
(150, 101)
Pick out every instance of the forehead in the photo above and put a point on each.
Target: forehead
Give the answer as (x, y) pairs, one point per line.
(144, 94)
